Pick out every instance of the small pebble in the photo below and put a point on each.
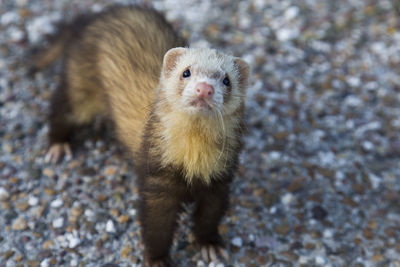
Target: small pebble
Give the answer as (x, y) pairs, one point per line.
(19, 224)
(56, 203)
(320, 260)
(45, 263)
(110, 228)
(318, 179)
(73, 240)
(123, 219)
(8, 254)
(237, 241)
(287, 199)
(4, 195)
(328, 233)
(48, 244)
(132, 212)
(9, 17)
(48, 172)
(291, 12)
(33, 201)
(58, 223)
(319, 213)
(126, 251)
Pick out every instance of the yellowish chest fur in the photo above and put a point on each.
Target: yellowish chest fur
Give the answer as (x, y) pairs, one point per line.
(200, 146)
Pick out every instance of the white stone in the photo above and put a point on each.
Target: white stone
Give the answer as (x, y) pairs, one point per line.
(132, 212)
(374, 180)
(56, 203)
(4, 194)
(220, 265)
(378, 47)
(38, 27)
(96, 8)
(319, 260)
(339, 175)
(62, 241)
(201, 263)
(303, 259)
(58, 223)
(367, 145)
(371, 126)
(45, 263)
(291, 12)
(272, 210)
(89, 214)
(74, 262)
(252, 237)
(321, 46)
(73, 240)
(353, 101)
(274, 155)
(9, 17)
(110, 226)
(16, 34)
(260, 4)
(328, 233)
(286, 84)
(286, 34)
(21, 3)
(244, 22)
(326, 158)
(33, 201)
(287, 199)
(353, 81)
(237, 241)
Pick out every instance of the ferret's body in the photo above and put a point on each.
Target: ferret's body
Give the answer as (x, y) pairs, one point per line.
(178, 111)
(105, 76)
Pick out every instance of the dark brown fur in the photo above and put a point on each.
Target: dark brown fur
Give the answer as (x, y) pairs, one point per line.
(111, 68)
(164, 190)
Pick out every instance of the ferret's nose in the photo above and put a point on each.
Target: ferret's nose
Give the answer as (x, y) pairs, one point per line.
(204, 90)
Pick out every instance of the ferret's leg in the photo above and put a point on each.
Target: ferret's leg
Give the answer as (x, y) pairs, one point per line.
(159, 207)
(73, 104)
(209, 211)
(61, 126)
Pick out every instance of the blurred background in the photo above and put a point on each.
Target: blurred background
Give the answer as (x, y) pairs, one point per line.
(319, 180)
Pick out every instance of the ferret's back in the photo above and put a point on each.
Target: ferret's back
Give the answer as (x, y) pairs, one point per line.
(121, 53)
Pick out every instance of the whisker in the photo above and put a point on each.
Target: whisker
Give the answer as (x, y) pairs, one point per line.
(223, 135)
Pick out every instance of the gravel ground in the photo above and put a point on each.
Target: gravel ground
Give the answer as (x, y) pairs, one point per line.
(319, 181)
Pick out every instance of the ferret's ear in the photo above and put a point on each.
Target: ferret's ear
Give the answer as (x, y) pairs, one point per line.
(170, 59)
(244, 72)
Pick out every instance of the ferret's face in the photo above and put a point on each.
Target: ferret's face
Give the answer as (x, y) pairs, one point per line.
(204, 82)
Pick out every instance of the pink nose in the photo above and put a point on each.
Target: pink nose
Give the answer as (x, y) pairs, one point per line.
(204, 90)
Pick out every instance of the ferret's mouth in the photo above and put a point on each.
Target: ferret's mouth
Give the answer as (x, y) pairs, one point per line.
(201, 104)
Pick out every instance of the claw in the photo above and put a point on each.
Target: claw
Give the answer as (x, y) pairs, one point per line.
(204, 254)
(213, 253)
(223, 253)
(57, 151)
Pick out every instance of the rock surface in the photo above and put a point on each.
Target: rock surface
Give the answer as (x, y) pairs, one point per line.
(319, 177)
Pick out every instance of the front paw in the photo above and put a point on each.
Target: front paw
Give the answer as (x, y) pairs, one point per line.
(57, 151)
(214, 252)
(164, 262)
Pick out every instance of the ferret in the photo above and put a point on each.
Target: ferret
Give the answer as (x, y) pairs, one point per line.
(177, 110)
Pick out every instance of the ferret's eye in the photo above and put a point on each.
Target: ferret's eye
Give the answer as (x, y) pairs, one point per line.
(226, 81)
(186, 73)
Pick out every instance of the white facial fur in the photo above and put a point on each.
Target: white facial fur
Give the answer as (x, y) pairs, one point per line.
(197, 77)
(210, 67)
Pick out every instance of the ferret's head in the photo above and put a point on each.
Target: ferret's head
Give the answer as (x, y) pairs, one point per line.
(203, 82)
